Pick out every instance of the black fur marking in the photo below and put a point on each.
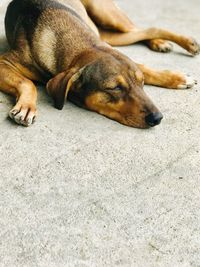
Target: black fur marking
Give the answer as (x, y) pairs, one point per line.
(24, 15)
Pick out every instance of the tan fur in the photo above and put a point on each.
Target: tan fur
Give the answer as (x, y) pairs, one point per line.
(45, 42)
(69, 43)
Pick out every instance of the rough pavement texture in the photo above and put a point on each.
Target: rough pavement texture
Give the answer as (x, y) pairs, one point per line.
(77, 189)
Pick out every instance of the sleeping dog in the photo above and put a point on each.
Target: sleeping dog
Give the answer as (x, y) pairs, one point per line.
(66, 45)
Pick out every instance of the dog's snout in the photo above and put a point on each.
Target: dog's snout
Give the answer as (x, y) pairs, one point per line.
(154, 118)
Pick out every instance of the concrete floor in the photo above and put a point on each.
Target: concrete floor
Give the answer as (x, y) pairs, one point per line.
(77, 189)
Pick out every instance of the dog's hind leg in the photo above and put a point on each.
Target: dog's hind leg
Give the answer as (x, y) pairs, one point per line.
(166, 78)
(159, 45)
(107, 15)
(120, 39)
(14, 83)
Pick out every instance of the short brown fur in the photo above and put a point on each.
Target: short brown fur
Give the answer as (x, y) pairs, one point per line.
(66, 45)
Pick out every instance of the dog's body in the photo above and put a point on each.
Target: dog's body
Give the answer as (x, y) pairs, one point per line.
(59, 42)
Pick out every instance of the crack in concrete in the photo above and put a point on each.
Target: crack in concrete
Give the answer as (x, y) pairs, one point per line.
(157, 249)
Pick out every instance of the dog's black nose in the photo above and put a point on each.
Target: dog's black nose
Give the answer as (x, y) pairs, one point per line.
(154, 118)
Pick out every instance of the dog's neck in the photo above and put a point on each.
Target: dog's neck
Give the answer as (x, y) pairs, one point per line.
(83, 58)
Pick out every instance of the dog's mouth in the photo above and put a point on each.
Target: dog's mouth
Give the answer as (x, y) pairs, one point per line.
(130, 113)
(151, 120)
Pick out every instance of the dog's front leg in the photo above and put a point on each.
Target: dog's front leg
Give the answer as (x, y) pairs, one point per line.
(166, 78)
(12, 82)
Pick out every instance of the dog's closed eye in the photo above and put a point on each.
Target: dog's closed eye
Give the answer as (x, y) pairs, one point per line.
(115, 93)
(118, 88)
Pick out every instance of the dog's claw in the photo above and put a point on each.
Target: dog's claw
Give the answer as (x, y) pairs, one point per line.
(13, 112)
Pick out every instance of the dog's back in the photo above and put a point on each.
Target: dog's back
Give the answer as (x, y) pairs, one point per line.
(48, 28)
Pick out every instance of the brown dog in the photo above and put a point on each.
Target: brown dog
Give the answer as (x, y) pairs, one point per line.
(63, 43)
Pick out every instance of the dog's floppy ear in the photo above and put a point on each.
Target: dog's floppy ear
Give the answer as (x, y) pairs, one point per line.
(59, 86)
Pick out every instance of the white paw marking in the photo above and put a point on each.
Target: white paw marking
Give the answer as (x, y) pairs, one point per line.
(165, 47)
(23, 116)
(189, 83)
(194, 47)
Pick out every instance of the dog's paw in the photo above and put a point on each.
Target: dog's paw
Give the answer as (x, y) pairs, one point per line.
(160, 45)
(186, 82)
(193, 47)
(177, 80)
(23, 115)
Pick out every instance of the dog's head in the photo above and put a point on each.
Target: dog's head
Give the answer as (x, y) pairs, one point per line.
(111, 85)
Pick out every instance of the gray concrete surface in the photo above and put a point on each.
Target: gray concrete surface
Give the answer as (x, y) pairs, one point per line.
(77, 189)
